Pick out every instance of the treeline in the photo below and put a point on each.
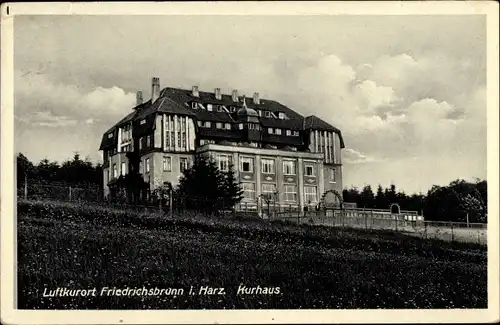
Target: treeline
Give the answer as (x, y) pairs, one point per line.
(75, 172)
(459, 201)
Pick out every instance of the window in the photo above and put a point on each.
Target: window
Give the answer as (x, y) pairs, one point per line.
(289, 167)
(204, 141)
(143, 121)
(223, 162)
(227, 126)
(183, 164)
(220, 108)
(252, 126)
(309, 170)
(288, 132)
(141, 168)
(278, 131)
(194, 105)
(108, 173)
(232, 109)
(147, 165)
(295, 133)
(260, 112)
(115, 171)
(268, 166)
(209, 107)
(240, 126)
(290, 193)
(332, 175)
(269, 189)
(310, 194)
(208, 124)
(122, 170)
(246, 164)
(140, 143)
(167, 164)
(200, 123)
(267, 114)
(248, 190)
(148, 141)
(281, 116)
(110, 135)
(270, 130)
(218, 125)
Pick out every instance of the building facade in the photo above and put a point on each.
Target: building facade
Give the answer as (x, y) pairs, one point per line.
(273, 149)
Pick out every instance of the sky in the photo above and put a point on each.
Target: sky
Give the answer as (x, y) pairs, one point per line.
(407, 92)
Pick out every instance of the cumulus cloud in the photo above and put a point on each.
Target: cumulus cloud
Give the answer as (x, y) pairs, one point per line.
(40, 99)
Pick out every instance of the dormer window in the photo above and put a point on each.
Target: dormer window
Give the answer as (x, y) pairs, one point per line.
(278, 131)
(267, 114)
(194, 105)
(282, 116)
(143, 121)
(209, 107)
(110, 135)
(220, 108)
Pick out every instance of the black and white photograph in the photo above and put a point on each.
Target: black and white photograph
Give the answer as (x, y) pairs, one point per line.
(265, 157)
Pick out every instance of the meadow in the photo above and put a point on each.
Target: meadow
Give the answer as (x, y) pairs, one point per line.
(83, 247)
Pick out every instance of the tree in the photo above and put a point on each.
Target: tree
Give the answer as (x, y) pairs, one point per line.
(380, 198)
(233, 193)
(367, 199)
(203, 187)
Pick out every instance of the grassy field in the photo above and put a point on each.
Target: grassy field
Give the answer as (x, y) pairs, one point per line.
(84, 247)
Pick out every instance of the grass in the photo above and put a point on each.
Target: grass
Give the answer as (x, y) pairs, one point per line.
(79, 247)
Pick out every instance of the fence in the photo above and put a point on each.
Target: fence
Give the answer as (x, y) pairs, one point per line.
(60, 192)
(349, 218)
(364, 219)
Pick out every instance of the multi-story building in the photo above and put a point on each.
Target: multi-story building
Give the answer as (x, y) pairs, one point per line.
(273, 148)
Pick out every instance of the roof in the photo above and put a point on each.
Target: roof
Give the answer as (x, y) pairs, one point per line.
(315, 123)
(179, 101)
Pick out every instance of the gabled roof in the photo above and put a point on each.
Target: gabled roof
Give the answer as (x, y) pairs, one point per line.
(315, 123)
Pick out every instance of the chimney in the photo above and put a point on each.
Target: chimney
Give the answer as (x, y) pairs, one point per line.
(256, 99)
(138, 97)
(155, 89)
(195, 91)
(235, 95)
(218, 94)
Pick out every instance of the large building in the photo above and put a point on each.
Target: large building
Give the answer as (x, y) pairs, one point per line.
(274, 150)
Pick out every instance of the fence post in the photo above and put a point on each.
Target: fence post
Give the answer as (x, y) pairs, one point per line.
(25, 186)
(452, 234)
(70, 193)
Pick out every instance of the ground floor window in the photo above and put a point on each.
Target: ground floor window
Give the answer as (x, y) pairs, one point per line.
(290, 193)
(248, 190)
(310, 194)
(183, 164)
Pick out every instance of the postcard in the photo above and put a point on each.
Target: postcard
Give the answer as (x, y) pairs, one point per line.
(249, 162)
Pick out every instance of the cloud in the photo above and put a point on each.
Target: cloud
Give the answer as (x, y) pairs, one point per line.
(47, 119)
(40, 98)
